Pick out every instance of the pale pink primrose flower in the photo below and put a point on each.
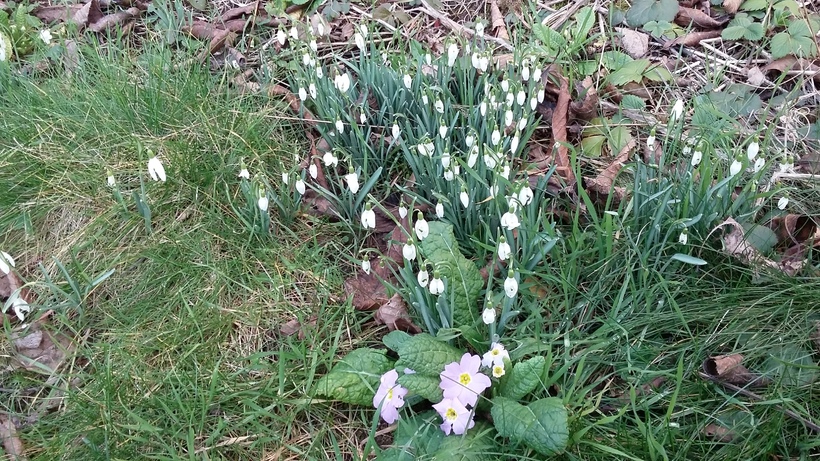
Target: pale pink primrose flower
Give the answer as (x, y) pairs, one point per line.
(457, 418)
(498, 371)
(462, 380)
(389, 397)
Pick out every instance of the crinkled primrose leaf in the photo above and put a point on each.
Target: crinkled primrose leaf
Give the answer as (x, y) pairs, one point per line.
(426, 386)
(441, 249)
(541, 425)
(355, 378)
(524, 378)
(426, 355)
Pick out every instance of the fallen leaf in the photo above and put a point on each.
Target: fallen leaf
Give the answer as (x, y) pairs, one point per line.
(587, 108)
(294, 102)
(12, 444)
(687, 16)
(718, 433)
(559, 123)
(603, 182)
(394, 314)
(793, 64)
(755, 76)
(636, 44)
(735, 244)
(692, 38)
(497, 21)
(367, 290)
(729, 369)
(49, 350)
(57, 13)
(294, 326)
(241, 11)
(731, 6)
(90, 13)
(792, 228)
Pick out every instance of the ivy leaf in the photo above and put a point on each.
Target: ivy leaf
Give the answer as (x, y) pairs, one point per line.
(426, 355)
(524, 378)
(742, 26)
(426, 386)
(541, 425)
(631, 72)
(643, 11)
(355, 378)
(463, 277)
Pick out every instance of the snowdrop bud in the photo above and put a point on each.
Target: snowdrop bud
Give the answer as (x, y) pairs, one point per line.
(312, 90)
(465, 198)
(509, 99)
(340, 127)
(362, 118)
(330, 160)
(488, 316)
(484, 63)
(505, 85)
(363, 28)
(522, 123)
(262, 201)
(759, 164)
(683, 238)
(281, 37)
(650, 141)
(504, 249)
(402, 211)
(752, 151)
(697, 156)
(440, 210)
(408, 81)
(423, 277)
(357, 37)
(6, 262)
(677, 110)
(525, 73)
(396, 131)
(112, 182)
(306, 59)
(520, 98)
(285, 178)
(294, 33)
(428, 59)
(439, 106)
(505, 171)
(445, 160)
(313, 171)
(471, 160)
(314, 46)
(735, 167)
(302, 94)
(533, 103)
(425, 99)
(156, 170)
(525, 195)
(442, 131)
(540, 95)
(536, 74)
(482, 108)
(508, 118)
(469, 140)
(452, 54)
(783, 203)
(449, 175)
(300, 186)
(475, 60)
(510, 285)
(366, 266)
(319, 72)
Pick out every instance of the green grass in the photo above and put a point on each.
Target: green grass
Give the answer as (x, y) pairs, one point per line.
(178, 354)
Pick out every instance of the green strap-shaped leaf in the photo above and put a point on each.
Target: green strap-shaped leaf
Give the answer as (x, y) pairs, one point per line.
(426, 355)
(524, 378)
(463, 277)
(541, 425)
(355, 378)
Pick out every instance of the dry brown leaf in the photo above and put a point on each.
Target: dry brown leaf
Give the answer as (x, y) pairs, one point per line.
(497, 21)
(238, 12)
(11, 442)
(755, 76)
(636, 44)
(687, 16)
(294, 326)
(587, 108)
(57, 13)
(602, 184)
(367, 290)
(731, 6)
(792, 228)
(692, 38)
(793, 64)
(394, 314)
(346, 31)
(89, 14)
(294, 102)
(718, 433)
(730, 369)
(44, 351)
(560, 117)
(735, 244)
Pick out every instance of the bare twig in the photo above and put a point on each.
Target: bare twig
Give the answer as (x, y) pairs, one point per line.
(430, 11)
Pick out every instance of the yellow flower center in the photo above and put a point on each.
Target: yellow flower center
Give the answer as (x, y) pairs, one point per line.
(498, 371)
(451, 414)
(496, 351)
(389, 394)
(464, 379)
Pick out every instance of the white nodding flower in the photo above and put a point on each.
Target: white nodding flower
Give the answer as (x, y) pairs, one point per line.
(525, 73)
(409, 250)
(475, 60)
(319, 72)
(465, 198)
(677, 109)
(313, 171)
(352, 180)
(426, 149)
(683, 238)
(362, 118)
(505, 171)
(423, 277)
(521, 98)
(262, 201)
(735, 167)
(488, 316)
(697, 156)
(760, 162)
(505, 85)
(408, 81)
(471, 160)
(156, 170)
(783, 203)
(504, 249)
(6, 262)
(752, 151)
(243, 173)
(366, 266)
(300, 186)
(45, 36)
(402, 211)
(479, 29)
(314, 46)
(330, 160)
(445, 160)
(113, 182)
(469, 140)
(421, 227)
(425, 99)
(368, 217)
(428, 58)
(395, 131)
(294, 33)
(650, 141)
(482, 108)
(484, 63)
(509, 99)
(340, 127)
(436, 285)
(509, 221)
(442, 131)
(489, 158)
(302, 94)
(312, 90)
(281, 36)
(342, 82)
(440, 210)
(508, 118)
(363, 29)
(533, 103)
(514, 143)
(495, 138)
(536, 74)
(449, 175)
(306, 59)
(540, 95)
(510, 285)
(439, 106)
(357, 37)
(320, 28)
(452, 54)
(525, 195)
(285, 178)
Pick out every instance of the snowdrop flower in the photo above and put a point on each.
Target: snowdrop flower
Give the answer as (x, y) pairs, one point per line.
(320, 29)
(363, 30)
(445, 160)
(439, 106)
(510, 99)
(479, 29)
(509, 221)
(488, 315)
(6, 262)
(313, 171)
(330, 160)
(340, 127)
(514, 143)
(489, 158)
(112, 182)
(369, 217)
(650, 141)
(436, 285)
(677, 110)
(505, 85)
(421, 227)
(342, 82)
(683, 238)
(457, 418)
(440, 210)
(735, 167)
(45, 36)
(20, 307)
(760, 162)
(408, 81)
(294, 33)
(319, 72)
(426, 149)
(473, 157)
(314, 46)
(697, 156)
(540, 95)
(475, 61)
(409, 250)
(525, 73)
(442, 131)
(352, 180)
(262, 201)
(482, 108)
(396, 131)
(495, 356)
(389, 397)
(462, 380)
(362, 118)
(510, 285)
(533, 103)
(464, 197)
(536, 74)
(312, 90)
(428, 59)
(752, 151)
(783, 203)
(357, 37)
(505, 171)
(281, 37)
(452, 54)
(520, 98)
(484, 63)
(425, 99)
(366, 266)
(423, 277)
(402, 210)
(508, 118)
(525, 195)
(285, 178)
(300, 186)
(156, 170)
(495, 138)
(302, 94)
(504, 249)
(469, 140)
